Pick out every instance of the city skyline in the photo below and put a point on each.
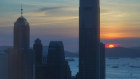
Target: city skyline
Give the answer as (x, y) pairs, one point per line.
(54, 20)
(61, 39)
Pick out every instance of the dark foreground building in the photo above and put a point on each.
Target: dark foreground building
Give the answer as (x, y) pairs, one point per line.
(89, 39)
(24, 63)
(56, 61)
(56, 67)
(38, 48)
(21, 56)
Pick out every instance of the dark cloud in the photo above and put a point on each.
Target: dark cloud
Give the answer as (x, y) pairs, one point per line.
(59, 11)
(49, 8)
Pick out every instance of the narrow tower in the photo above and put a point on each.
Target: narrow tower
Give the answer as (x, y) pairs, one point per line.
(38, 51)
(20, 58)
(89, 39)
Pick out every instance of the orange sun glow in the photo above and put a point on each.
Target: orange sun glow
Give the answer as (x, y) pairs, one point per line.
(111, 45)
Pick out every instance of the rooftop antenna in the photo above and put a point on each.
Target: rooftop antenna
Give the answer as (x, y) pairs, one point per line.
(21, 10)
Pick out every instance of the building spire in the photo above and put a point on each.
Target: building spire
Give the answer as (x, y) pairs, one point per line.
(21, 10)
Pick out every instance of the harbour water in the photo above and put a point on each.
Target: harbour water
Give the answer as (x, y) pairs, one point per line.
(116, 68)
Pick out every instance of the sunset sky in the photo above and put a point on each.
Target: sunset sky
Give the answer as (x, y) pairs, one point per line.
(58, 20)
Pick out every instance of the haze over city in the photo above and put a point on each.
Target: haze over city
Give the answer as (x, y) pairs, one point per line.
(58, 20)
(69, 39)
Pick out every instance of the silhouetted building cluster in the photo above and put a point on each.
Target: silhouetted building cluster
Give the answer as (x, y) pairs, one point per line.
(57, 67)
(26, 63)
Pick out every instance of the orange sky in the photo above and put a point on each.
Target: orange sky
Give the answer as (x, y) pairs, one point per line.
(58, 20)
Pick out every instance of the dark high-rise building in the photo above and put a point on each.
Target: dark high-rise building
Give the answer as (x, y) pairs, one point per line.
(38, 51)
(40, 69)
(21, 33)
(56, 59)
(89, 39)
(56, 54)
(56, 67)
(59, 68)
(102, 61)
(21, 56)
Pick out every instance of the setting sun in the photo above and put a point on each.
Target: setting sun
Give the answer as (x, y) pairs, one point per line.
(111, 45)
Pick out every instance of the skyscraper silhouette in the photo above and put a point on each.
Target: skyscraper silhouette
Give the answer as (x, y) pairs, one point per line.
(21, 56)
(59, 68)
(89, 39)
(40, 68)
(38, 48)
(21, 33)
(56, 59)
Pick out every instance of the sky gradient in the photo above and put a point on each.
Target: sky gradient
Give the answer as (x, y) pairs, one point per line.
(59, 20)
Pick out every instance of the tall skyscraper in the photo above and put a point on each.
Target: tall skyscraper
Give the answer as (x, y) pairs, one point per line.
(21, 56)
(21, 33)
(59, 68)
(89, 39)
(56, 59)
